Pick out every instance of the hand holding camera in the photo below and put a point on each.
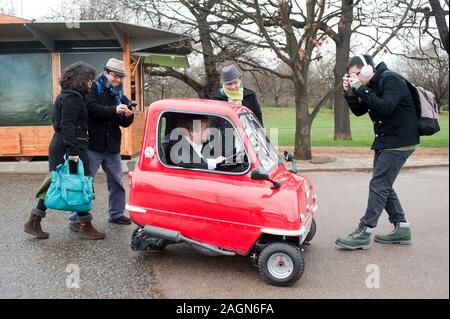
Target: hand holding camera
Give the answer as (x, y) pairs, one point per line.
(351, 81)
(122, 108)
(346, 80)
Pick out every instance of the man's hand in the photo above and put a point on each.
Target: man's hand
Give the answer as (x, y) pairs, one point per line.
(122, 108)
(355, 82)
(74, 158)
(128, 112)
(220, 159)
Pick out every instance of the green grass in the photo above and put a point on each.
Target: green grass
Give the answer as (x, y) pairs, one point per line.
(323, 129)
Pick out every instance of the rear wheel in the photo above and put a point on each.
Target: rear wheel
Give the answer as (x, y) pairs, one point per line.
(141, 242)
(281, 264)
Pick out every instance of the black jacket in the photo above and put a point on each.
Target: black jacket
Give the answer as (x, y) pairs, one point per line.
(391, 108)
(70, 123)
(70, 119)
(249, 101)
(104, 124)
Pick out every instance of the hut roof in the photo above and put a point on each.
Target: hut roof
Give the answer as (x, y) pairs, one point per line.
(25, 36)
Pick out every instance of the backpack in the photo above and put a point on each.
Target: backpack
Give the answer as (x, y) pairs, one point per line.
(99, 87)
(428, 110)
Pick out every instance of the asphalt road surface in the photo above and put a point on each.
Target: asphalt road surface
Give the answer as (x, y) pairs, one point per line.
(65, 267)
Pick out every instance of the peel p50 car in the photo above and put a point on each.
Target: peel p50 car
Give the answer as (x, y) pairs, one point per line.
(250, 204)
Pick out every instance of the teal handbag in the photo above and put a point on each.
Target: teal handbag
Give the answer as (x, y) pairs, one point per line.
(69, 192)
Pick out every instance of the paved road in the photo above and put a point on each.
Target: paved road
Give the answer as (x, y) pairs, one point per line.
(37, 268)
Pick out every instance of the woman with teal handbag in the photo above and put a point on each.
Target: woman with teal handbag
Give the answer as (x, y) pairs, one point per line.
(67, 153)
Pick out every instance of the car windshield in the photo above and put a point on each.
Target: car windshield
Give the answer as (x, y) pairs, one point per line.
(267, 155)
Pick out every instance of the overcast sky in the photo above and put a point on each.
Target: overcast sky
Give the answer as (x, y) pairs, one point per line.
(31, 9)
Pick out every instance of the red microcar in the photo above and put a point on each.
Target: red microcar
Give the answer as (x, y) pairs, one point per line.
(247, 203)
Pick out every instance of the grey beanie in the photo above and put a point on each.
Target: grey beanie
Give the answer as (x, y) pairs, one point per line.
(230, 73)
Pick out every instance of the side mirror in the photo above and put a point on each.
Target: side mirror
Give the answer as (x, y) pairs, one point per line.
(290, 158)
(260, 174)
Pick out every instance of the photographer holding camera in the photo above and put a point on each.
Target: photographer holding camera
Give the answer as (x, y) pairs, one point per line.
(108, 110)
(384, 95)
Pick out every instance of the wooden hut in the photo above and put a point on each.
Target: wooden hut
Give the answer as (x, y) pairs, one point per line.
(32, 55)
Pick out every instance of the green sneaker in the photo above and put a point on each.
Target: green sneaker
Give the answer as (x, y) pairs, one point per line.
(359, 239)
(400, 235)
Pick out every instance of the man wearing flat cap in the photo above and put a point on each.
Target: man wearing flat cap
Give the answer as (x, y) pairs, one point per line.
(233, 91)
(108, 110)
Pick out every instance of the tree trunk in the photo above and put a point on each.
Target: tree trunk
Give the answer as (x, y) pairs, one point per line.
(303, 123)
(209, 59)
(342, 130)
(439, 16)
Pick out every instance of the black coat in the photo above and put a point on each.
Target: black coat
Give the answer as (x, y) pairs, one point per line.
(70, 123)
(391, 108)
(250, 101)
(104, 124)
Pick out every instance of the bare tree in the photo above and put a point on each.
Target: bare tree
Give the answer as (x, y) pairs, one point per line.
(196, 19)
(272, 90)
(439, 16)
(341, 38)
(290, 29)
(430, 74)
(6, 7)
(91, 10)
(439, 13)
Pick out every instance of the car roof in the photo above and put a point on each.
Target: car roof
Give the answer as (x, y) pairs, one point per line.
(198, 106)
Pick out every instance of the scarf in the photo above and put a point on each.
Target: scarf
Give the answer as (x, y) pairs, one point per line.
(115, 92)
(234, 96)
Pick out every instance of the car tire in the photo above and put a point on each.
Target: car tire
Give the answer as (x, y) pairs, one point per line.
(281, 264)
(312, 232)
(146, 242)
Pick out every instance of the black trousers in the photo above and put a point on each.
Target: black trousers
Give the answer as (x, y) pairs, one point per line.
(386, 167)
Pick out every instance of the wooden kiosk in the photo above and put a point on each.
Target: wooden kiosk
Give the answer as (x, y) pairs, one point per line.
(32, 55)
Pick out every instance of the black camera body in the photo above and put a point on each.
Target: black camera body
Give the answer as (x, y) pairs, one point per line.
(132, 105)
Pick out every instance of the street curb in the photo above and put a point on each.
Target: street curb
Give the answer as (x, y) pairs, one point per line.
(41, 167)
(364, 169)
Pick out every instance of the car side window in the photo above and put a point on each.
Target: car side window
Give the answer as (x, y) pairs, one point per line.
(201, 142)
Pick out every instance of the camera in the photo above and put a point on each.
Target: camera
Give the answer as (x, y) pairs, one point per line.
(132, 105)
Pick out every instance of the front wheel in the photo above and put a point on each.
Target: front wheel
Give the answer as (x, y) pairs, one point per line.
(312, 232)
(281, 264)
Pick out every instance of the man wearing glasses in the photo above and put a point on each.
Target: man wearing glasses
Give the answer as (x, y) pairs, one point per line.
(109, 109)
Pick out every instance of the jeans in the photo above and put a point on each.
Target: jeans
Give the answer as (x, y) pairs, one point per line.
(112, 166)
(386, 167)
